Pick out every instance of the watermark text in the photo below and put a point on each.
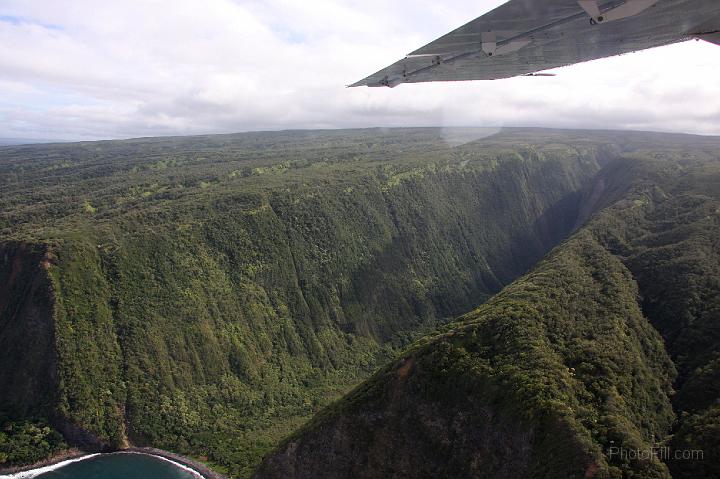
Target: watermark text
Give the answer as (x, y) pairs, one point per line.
(662, 453)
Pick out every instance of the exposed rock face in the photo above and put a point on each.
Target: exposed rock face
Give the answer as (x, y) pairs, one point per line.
(28, 372)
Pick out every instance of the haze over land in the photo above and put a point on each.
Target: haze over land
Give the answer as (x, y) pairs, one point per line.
(82, 69)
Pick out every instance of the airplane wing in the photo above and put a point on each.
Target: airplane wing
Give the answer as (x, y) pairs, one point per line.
(526, 36)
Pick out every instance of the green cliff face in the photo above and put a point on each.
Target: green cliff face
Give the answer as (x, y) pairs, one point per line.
(570, 369)
(532, 384)
(208, 295)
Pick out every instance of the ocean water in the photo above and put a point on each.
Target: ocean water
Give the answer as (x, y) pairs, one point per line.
(120, 466)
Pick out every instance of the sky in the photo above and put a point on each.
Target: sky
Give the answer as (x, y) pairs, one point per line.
(89, 69)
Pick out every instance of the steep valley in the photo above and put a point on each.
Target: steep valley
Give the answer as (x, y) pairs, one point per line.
(600, 362)
(208, 295)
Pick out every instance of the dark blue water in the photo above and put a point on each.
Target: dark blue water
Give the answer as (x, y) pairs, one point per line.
(119, 466)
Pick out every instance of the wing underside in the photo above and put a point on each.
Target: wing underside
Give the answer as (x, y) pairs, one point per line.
(527, 36)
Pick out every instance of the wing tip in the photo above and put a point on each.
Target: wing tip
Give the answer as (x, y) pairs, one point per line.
(384, 82)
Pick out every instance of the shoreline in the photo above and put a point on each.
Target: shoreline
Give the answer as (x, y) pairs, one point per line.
(72, 455)
(53, 460)
(200, 468)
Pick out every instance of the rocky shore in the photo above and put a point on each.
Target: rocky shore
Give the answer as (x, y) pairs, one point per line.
(198, 466)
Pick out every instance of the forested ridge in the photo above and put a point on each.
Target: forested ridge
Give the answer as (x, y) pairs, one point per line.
(610, 343)
(208, 295)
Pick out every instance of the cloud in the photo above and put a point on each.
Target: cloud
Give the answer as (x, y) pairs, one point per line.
(82, 69)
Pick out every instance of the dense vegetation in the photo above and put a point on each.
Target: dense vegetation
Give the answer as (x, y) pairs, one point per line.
(532, 384)
(668, 235)
(564, 365)
(207, 295)
(28, 442)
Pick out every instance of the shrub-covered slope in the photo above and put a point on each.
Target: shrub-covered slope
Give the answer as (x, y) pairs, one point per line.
(206, 295)
(209, 294)
(535, 383)
(668, 235)
(569, 371)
